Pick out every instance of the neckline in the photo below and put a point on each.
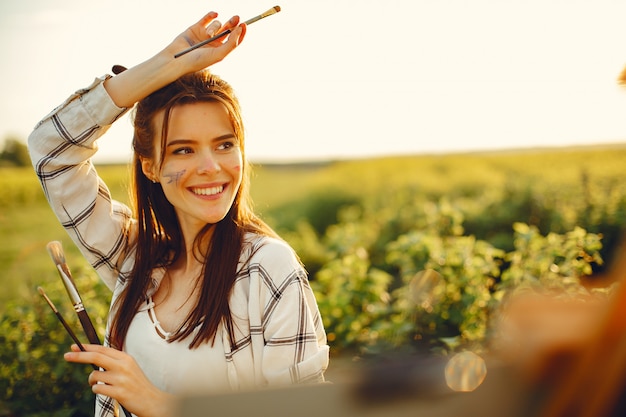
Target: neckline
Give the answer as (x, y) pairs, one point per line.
(163, 334)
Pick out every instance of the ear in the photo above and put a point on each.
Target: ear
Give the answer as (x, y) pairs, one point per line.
(147, 166)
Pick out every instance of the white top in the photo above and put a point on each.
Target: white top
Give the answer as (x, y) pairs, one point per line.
(172, 366)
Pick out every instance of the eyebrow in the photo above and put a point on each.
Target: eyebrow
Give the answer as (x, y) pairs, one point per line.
(177, 142)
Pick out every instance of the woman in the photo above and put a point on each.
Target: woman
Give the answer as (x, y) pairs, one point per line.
(206, 298)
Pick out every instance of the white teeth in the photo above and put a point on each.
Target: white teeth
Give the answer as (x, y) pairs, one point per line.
(208, 191)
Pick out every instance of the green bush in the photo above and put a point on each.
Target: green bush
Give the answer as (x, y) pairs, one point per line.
(444, 285)
(34, 378)
(352, 293)
(551, 262)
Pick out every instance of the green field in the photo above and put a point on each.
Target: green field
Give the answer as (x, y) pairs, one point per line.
(574, 178)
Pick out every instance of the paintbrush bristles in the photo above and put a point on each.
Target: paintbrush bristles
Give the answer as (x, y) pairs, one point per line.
(56, 252)
(55, 249)
(271, 11)
(50, 303)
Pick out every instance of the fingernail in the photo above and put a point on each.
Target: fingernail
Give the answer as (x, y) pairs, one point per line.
(213, 27)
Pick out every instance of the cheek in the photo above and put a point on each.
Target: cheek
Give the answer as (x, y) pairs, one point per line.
(172, 177)
(236, 162)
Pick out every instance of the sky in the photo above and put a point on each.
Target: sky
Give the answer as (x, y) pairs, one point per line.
(341, 79)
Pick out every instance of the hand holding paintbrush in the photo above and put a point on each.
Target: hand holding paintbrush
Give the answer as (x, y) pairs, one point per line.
(56, 252)
(263, 15)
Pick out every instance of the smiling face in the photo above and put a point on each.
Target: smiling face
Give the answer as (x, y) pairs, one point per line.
(201, 168)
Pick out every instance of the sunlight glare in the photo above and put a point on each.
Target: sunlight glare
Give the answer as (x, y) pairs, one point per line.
(465, 371)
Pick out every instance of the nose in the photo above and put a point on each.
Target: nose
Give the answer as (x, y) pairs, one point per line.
(208, 163)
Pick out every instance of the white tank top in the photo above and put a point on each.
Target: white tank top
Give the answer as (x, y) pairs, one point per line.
(173, 367)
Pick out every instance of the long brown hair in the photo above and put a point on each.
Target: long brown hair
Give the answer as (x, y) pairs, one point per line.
(160, 241)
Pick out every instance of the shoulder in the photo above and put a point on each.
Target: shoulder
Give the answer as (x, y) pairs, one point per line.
(266, 248)
(270, 254)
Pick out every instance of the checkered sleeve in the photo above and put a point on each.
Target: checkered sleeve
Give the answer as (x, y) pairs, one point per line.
(61, 146)
(294, 341)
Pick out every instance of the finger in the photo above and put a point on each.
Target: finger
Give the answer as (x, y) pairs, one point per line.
(232, 22)
(86, 357)
(105, 350)
(213, 27)
(236, 37)
(103, 377)
(230, 44)
(83, 348)
(106, 390)
(114, 390)
(99, 359)
(207, 18)
(244, 29)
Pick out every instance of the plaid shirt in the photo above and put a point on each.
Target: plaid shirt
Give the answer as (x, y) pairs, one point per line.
(279, 332)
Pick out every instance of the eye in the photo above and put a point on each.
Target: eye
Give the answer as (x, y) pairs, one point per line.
(226, 145)
(182, 151)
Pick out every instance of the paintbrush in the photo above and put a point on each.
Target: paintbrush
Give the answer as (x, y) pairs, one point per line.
(61, 319)
(269, 12)
(63, 322)
(56, 252)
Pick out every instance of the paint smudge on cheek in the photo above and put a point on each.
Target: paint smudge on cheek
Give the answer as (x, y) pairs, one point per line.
(174, 176)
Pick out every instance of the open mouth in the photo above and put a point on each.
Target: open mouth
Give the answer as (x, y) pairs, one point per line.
(208, 190)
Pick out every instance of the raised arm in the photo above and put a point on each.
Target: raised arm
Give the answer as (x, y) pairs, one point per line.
(138, 82)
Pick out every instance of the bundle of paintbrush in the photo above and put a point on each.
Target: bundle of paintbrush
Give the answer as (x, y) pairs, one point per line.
(56, 252)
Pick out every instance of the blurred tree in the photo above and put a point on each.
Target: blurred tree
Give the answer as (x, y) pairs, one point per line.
(14, 153)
